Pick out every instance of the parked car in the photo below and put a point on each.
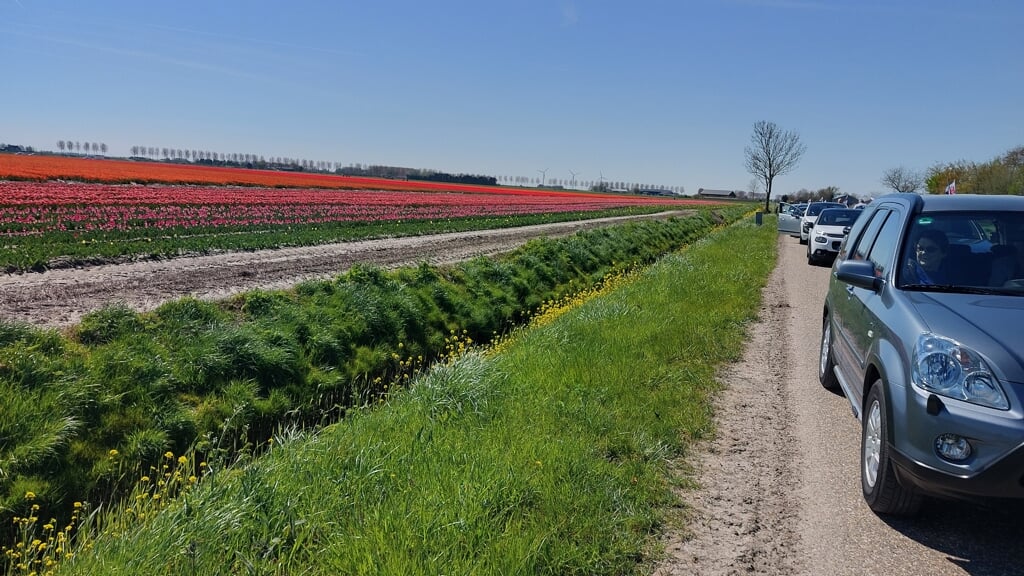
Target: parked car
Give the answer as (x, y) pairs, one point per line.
(790, 218)
(811, 214)
(828, 232)
(923, 334)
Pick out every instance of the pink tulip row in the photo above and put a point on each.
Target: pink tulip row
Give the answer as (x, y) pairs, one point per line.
(39, 208)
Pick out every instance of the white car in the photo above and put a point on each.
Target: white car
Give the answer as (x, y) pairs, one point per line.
(828, 233)
(811, 214)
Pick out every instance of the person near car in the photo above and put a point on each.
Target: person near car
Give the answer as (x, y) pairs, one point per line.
(927, 263)
(1010, 266)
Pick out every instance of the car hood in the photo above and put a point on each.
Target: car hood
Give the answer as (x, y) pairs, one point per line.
(991, 325)
(829, 229)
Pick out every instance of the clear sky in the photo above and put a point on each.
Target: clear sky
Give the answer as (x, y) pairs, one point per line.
(658, 92)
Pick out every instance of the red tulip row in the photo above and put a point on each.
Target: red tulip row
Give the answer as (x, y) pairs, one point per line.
(41, 207)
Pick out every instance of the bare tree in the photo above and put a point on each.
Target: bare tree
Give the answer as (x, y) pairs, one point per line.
(772, 152)
(903, 180)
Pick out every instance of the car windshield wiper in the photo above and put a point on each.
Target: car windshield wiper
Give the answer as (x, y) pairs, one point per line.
(950, 288)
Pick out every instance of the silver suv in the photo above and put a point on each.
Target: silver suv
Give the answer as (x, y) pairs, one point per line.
(923, 330)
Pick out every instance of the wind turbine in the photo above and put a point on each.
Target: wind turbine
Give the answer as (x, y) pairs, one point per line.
(543, 176)
(573, 178)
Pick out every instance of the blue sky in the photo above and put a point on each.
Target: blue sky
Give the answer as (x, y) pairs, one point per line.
(658, 92)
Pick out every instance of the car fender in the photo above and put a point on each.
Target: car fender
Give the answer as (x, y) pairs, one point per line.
(888, 363)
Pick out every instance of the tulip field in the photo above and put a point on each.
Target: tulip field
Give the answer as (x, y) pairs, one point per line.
(31, 208)
(71, 210)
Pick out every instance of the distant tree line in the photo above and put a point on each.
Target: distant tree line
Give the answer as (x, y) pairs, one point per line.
(455, 178)
(1003, 174)
(284, 163)
(78, 147)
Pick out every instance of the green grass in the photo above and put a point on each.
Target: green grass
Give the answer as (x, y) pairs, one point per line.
(547, 457)
(91, 409)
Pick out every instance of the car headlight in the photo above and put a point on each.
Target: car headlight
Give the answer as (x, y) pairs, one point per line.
(821, 239)
(947, 368)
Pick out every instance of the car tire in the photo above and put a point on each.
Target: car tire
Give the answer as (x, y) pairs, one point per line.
(826, 365)
(882, 490)
(811, 260)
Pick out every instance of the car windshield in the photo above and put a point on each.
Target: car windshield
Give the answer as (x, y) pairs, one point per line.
(838, 217)
(817, 207)
(964, 252)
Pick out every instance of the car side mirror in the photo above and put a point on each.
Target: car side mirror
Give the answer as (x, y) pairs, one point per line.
(860, 273)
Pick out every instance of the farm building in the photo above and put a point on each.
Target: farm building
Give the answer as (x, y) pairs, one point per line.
(719, 194)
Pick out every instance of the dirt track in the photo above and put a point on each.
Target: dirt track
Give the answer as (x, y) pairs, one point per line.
(59, 298)
(780, 483)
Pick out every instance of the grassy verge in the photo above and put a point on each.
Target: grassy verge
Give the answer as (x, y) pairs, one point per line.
(547, 457)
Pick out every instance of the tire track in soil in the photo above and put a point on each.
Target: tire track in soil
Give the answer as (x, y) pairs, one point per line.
(59, 298)
(743, 518)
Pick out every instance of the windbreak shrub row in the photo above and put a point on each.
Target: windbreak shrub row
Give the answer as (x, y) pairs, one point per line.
(82, 414)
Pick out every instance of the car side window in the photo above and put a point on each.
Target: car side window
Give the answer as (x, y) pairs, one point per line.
(883, 250)
(867, 238)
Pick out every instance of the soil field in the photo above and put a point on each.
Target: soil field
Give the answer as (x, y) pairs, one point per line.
(59, 298)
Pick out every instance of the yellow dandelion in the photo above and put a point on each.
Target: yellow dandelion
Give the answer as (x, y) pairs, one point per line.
(169, 455)
(30, 495)
(113, 453)
(182, 460)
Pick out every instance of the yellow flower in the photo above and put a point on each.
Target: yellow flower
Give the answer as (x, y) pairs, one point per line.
(30, 495)
(169, 455)
(182, 460)
(144, 479)
(113, 453)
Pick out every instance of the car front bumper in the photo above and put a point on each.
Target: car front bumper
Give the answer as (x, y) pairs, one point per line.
(995, 468)
(830, 247)
(1002, 480)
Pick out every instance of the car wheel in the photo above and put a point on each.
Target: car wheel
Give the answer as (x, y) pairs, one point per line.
(826, 373)
(882, 491)
(810, 256)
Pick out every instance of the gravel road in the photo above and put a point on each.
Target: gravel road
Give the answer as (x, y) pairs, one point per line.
(780, 487)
